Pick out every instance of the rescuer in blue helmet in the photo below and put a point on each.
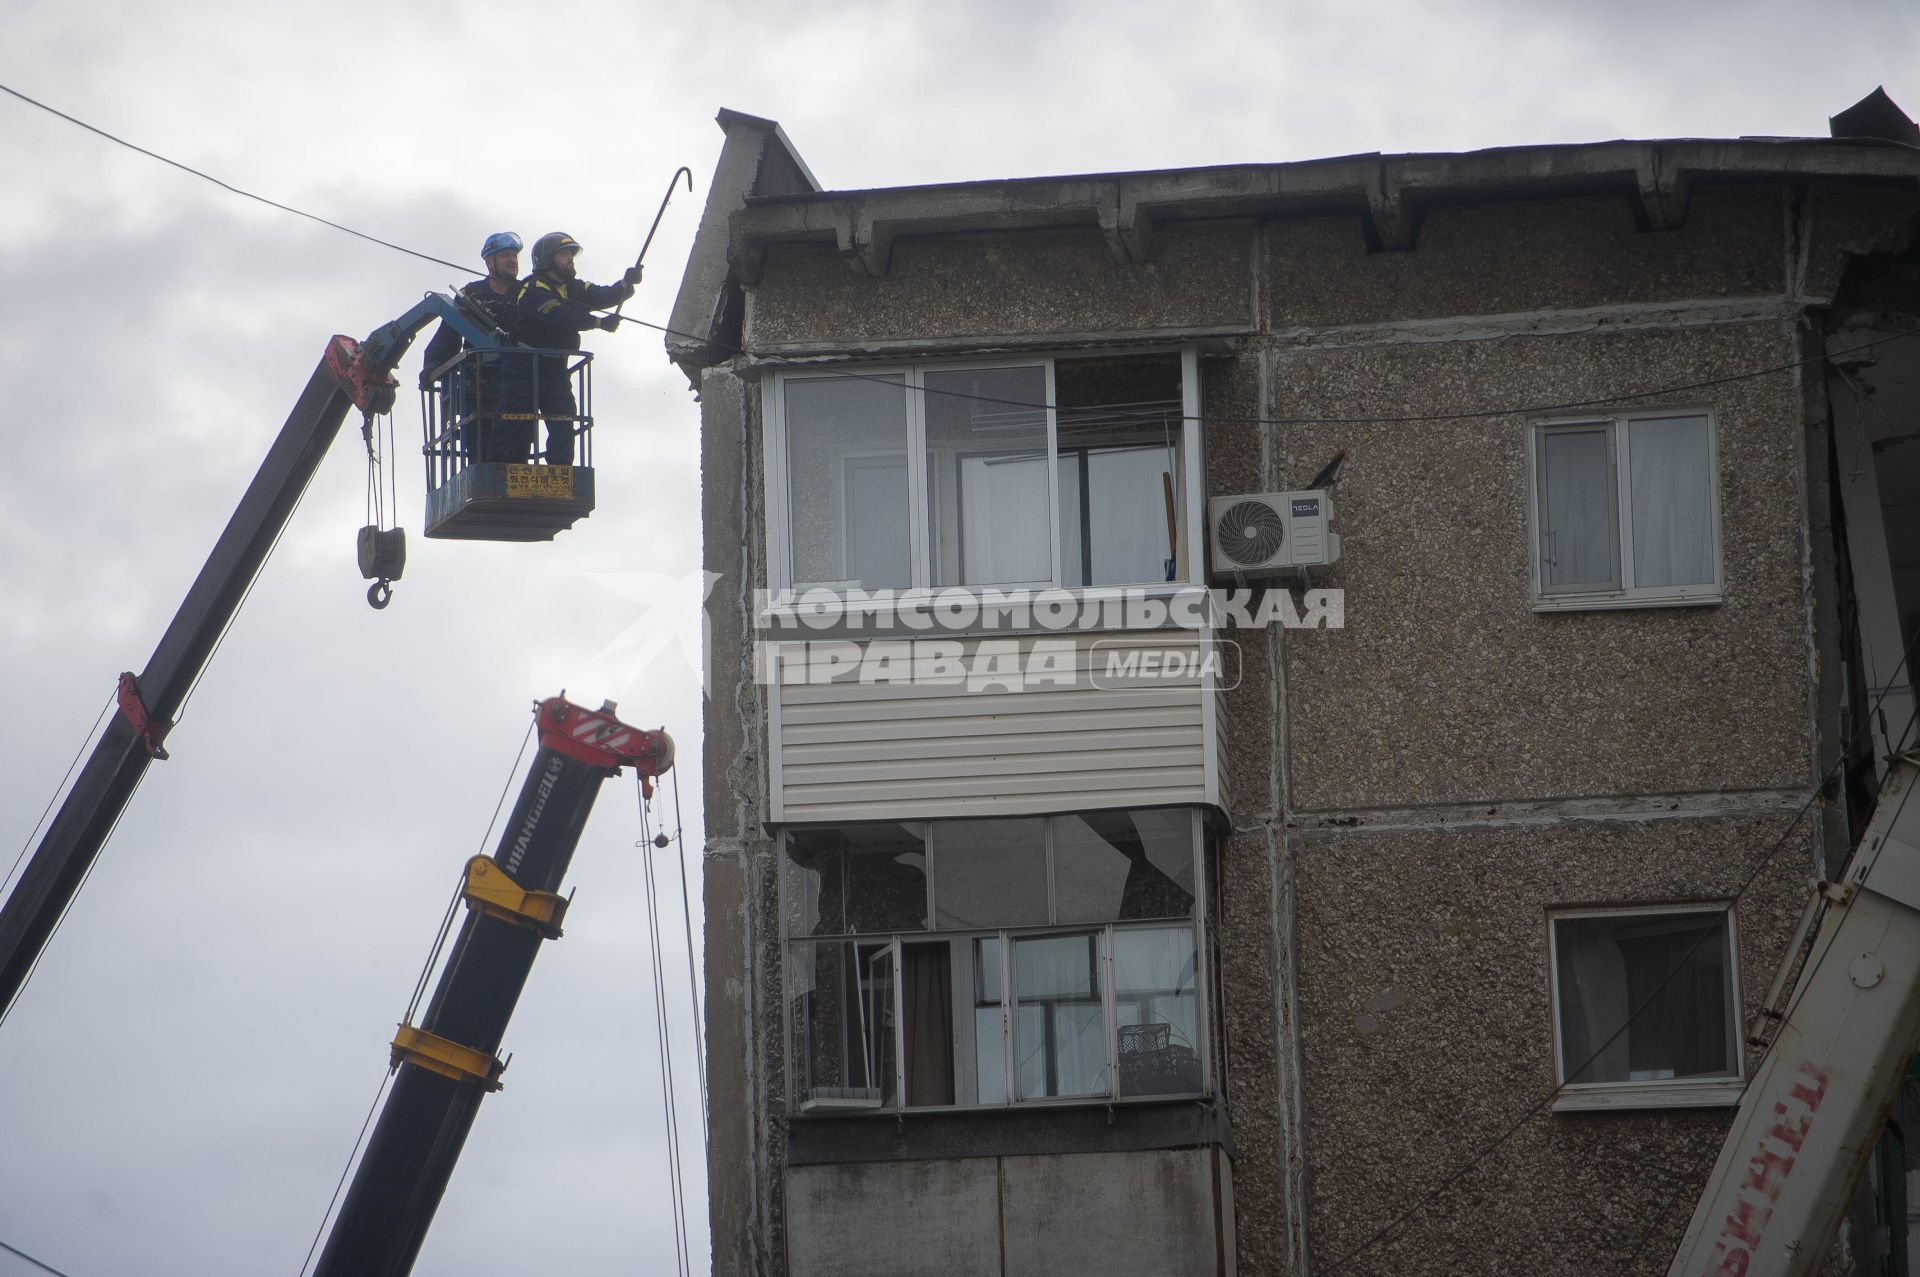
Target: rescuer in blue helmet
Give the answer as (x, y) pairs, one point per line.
(555, 307)
(484, 390)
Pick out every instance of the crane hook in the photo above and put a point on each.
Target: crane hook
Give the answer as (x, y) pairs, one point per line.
(380, 593)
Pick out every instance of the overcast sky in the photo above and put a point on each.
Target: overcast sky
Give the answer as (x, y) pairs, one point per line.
(182, 1082)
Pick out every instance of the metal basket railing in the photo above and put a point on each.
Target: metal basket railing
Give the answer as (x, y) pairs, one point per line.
(484, 405)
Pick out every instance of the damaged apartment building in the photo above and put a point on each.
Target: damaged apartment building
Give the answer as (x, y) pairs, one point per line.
(1122, 962)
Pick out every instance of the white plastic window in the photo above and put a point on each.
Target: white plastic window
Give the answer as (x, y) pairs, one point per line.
(1626, 511)
(1018, 473)
(1646, 1006)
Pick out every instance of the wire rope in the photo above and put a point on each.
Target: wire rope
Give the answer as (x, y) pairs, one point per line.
(346, 1170)
(664, 1042)
(33, 968)
(693, 981)
(226, 186)
(41, 1264)
(58, 789)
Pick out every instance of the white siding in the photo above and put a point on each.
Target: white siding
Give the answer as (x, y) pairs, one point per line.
(850, 749)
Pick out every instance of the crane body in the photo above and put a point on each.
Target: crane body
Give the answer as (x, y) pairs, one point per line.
(351, 374)
(1813, 1113)
(446, 1064)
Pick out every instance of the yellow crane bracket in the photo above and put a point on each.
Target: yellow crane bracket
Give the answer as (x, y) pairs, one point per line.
(436, 1054)
(490, 891)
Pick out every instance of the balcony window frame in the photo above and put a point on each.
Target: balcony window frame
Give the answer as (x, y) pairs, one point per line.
(784, 590)
(1658, 1093)
(1621, 591)
(963, 1044)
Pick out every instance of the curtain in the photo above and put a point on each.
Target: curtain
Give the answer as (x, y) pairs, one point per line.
(1683, 1030)
(1118, 535)
(927, 975)
(1576, 509)
(1668, 461)
(1154, 988)
(1004, 520)
(1593, 1000)
(989, 510)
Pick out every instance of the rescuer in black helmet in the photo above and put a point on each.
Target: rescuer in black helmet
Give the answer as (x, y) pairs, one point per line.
(483, 389)
(555, 306)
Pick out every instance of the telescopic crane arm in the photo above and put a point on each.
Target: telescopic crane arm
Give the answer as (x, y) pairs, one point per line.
(1815, 1108)
(447, 1063)
(350, 375)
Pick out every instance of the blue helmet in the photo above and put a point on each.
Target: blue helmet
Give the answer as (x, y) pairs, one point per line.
(500, 242)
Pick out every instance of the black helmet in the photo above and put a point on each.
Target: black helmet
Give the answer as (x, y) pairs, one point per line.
(547, 245)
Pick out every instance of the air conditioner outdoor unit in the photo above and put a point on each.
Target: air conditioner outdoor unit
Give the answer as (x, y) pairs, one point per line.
(1268, 532)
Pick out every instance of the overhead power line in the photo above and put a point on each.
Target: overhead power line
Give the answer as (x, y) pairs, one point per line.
(1472, 414)
(41, 1264)
(228, 186)
(1040, 405)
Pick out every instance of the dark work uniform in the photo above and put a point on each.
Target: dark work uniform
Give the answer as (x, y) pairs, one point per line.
(483, 391)
(552, 313)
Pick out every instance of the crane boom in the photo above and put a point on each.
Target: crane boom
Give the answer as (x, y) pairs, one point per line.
(446, 1064)
(1812, 1114)
(350, 374)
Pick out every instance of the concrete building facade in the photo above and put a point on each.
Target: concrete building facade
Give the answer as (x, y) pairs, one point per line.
(1022, 958)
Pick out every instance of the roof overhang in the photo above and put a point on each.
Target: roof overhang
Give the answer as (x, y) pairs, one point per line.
(1388, 192)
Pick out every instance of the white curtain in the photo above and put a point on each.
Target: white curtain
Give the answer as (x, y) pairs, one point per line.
(1003, 521)
(1120, 537)
(989, 507)
(1669, 463)
(1158, 962)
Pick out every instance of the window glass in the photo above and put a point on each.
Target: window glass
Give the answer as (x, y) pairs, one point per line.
(855, 878)
(990, 873)
(989, 1023)
(1060, 1040)
(1671, 483)
(1677, 965)
(848, 508)
(987, 491)
(1123, 864)
(1155, 1008)
(1118, 502)
(1577, 537)
(841, 1011)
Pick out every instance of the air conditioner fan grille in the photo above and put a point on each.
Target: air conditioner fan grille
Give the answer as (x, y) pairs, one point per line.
(1250, 533)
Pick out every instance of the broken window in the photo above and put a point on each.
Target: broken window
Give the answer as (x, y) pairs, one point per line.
(1626, 510)
(1644, 997)
(1034, 472)
(1040, 958)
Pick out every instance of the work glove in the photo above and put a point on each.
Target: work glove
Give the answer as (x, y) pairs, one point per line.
(610, 322)
(632, 277)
